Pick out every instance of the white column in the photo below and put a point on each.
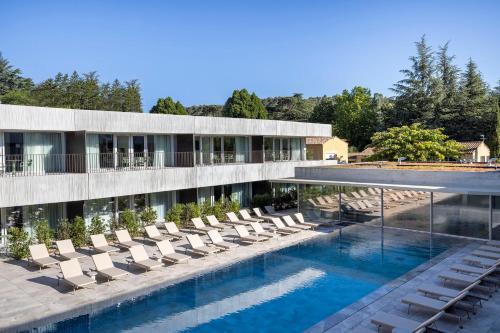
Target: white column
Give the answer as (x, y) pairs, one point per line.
(115, 151)
(2, 153)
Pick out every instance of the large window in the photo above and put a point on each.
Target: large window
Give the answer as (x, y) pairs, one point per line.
(495, 232)
(319, 203)
(461, 214)
(407, 209)
(361, 206)
(283, 149)
(106, 159)
(103, 208)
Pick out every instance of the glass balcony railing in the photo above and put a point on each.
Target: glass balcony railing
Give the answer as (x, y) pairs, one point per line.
(44, 164)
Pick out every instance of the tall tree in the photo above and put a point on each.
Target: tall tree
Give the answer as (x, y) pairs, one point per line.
(294, 107)
(243, 105)
(476, 114)
(132, 97)
(416, 94)
(353, 115)
(168, 106)
(10, 78)
(448, 74)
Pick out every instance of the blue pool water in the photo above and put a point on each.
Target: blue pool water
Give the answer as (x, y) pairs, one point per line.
(290, 289)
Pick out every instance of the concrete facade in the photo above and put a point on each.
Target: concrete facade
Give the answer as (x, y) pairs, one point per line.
(30, 118)
(439, 181)
(20, 191)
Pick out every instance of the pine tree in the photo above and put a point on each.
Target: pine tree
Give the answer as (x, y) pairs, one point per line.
(243, 105)
(448, 75)
(168, 106)
(132, 97)
(11, 79)
(416, 94)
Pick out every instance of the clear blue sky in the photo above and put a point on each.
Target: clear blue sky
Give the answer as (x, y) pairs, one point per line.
(199, 51)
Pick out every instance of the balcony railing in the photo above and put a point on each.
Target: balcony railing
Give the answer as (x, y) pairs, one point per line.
(43, 164)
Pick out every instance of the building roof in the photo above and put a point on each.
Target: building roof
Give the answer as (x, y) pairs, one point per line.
(470, 145)
(320, 140)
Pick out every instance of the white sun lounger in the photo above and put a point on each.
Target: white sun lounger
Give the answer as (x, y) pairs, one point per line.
(40, 256)
(486, 254)
(153, 233)
(168, 253)
(141, 258)
(67, 251)
(100, 244)
(73, 275)
(173, 231)
(488, 248)
(493, 243)
(433, 304)
(219, 242)
(281, 228)
(246, 237)
(259, 214)
(259, 230)
(124, 239)
(483, 262)
(246, 216)
(300, 218)
(105, 267)
(199, 247)
(271, 211)
(199, 225)
(212, 220)
(391, 321)
(233, 219)
(291, 223)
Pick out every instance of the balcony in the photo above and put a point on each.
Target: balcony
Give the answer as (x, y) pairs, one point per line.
(55, 164)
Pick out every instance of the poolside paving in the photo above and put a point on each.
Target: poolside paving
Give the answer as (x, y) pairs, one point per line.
(388, 299)
(30, 297)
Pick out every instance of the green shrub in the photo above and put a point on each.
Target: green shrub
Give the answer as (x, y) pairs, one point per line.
(190, 210)
(129, 221)
(18, 243)
(231, 206)
(43, 234)
(148, 216)
(207, 209)
(219, 210)
(174, 214)
(97, 226)
(261, 200)
(63, 229)
(78, 232)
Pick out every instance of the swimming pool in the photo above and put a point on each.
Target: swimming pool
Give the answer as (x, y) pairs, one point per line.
(290, 289)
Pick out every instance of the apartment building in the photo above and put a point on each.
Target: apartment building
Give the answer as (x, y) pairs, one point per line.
(61, 163)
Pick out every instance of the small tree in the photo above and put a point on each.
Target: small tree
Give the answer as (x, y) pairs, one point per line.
(206, 209)
(416, 143)
(148, 216)
(43, 234)
(78, 232)
(168, 106)
(18, 243)
(97, 226)
(174, 214)
(231, 206)
(63, 229)
(190, 210)
(129, 221)
(219, 210)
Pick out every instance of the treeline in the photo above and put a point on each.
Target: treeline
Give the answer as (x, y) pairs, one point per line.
(434, 92)
(73, 91)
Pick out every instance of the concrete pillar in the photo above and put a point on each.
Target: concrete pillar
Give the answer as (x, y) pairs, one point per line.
(490, 217)
(431, 213)
(382, 208)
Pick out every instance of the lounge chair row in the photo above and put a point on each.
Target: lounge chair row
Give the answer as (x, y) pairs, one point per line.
(477, 279)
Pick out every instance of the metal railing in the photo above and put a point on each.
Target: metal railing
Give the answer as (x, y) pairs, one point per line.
(43, 164)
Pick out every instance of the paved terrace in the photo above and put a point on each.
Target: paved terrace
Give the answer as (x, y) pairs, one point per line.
(32, 298)
(388, 299)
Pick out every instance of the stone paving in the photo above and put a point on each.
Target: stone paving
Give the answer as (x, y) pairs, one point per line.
(33, 298)
(388, 299)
